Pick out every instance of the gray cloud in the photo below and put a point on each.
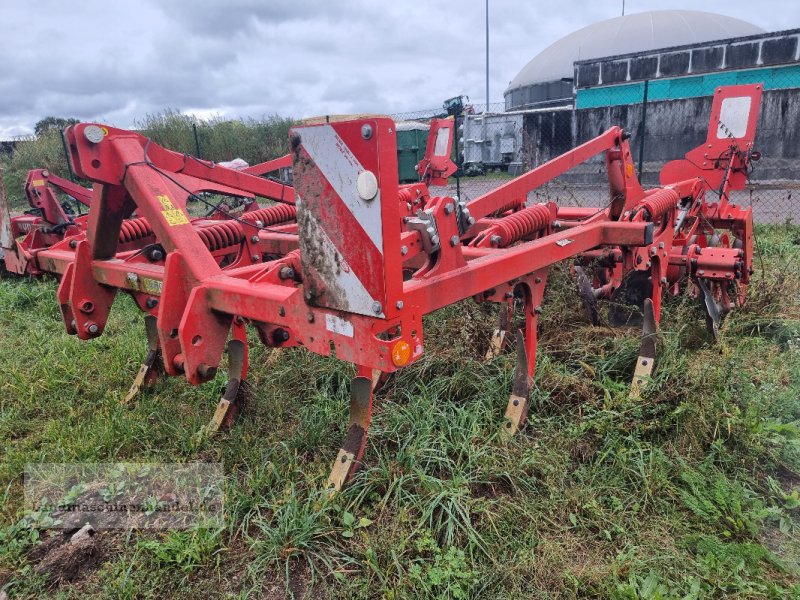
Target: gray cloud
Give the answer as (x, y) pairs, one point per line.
(118, 61)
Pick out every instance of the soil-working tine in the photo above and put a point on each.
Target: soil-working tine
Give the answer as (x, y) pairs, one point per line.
(148, 371)
(356, 439)
(586, 292)
(228, 406)
(713, 316)
(517, 408)
(498, 340)
(647, 350)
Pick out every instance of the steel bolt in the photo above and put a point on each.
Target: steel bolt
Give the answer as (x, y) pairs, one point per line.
(701, 272)
(310, 317)
(508, 295)
(471, 220)
(404, 250)
(537, 280)
(661, 245)
(156, 254)
(286, 273)
(238, 320)
(663, 281)
(254, 239)
(259, 223)
(151, 302)
(538, 310)
(87, 306)
(366, 131)
(280, 335)
(377, 308)
(206, 371)
(308, 295)
(448, 208)
(73, 244)
(435, 240)
(399, 305)
(495, 240)
(256, 257)
(454, 240)
(92, 328)
(281, 311)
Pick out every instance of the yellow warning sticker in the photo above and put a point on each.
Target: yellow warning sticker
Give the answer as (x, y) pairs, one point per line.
(37, 182)
(166, 203)
(175, 217)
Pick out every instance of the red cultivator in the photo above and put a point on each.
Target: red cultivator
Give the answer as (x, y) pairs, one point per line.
(367, 258)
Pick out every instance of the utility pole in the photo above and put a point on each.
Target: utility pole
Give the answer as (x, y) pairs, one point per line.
(623, 8)
(487, 56)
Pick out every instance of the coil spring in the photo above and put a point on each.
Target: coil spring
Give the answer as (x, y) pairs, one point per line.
(134, 229)
(272, 215)
(506, 207)
(221, 235)
(659, 202)
(517, 226)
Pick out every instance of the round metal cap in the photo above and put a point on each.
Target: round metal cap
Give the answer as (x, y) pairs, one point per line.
(94, 134)
(367, 185)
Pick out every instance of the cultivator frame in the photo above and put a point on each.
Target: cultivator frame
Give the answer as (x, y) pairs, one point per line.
(367, 258)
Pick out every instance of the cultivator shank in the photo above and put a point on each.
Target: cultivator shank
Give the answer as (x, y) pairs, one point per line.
(367, 259)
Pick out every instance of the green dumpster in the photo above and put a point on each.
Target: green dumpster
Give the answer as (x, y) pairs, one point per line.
(412, 137)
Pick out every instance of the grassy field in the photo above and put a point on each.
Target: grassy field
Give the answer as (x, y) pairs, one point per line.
(692, 491)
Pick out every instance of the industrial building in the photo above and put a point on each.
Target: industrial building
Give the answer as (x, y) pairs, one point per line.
(652, 73)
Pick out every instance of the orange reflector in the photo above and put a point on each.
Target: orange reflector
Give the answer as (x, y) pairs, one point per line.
(629, 169)
(401, 352)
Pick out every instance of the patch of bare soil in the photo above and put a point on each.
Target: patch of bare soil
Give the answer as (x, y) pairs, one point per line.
(61, 560)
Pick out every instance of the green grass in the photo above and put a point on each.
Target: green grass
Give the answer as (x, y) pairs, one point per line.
(690, 492)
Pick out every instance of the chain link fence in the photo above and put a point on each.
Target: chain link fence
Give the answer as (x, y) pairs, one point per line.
(666, 119)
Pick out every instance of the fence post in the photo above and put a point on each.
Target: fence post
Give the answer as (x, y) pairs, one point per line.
(642, 130)
(196, 141)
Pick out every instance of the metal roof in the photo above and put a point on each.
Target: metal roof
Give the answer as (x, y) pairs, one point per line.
(637, 32)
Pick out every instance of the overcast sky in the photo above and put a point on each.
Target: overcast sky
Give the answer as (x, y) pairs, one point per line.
(117, 60)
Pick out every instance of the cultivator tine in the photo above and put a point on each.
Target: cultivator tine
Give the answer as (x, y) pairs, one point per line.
(713, 316)
(498, 341)
(149, 369)
(586, 292)
(647, 350)
(228, 406)
(356, 439)
(517, 408)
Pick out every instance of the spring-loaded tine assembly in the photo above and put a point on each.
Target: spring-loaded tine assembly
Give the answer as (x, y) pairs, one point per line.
(518, 403)
(229, 404)
(355, 439)
(148, 371)
(647, 350)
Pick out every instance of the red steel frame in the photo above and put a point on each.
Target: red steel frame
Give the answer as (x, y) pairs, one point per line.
(368, 258)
